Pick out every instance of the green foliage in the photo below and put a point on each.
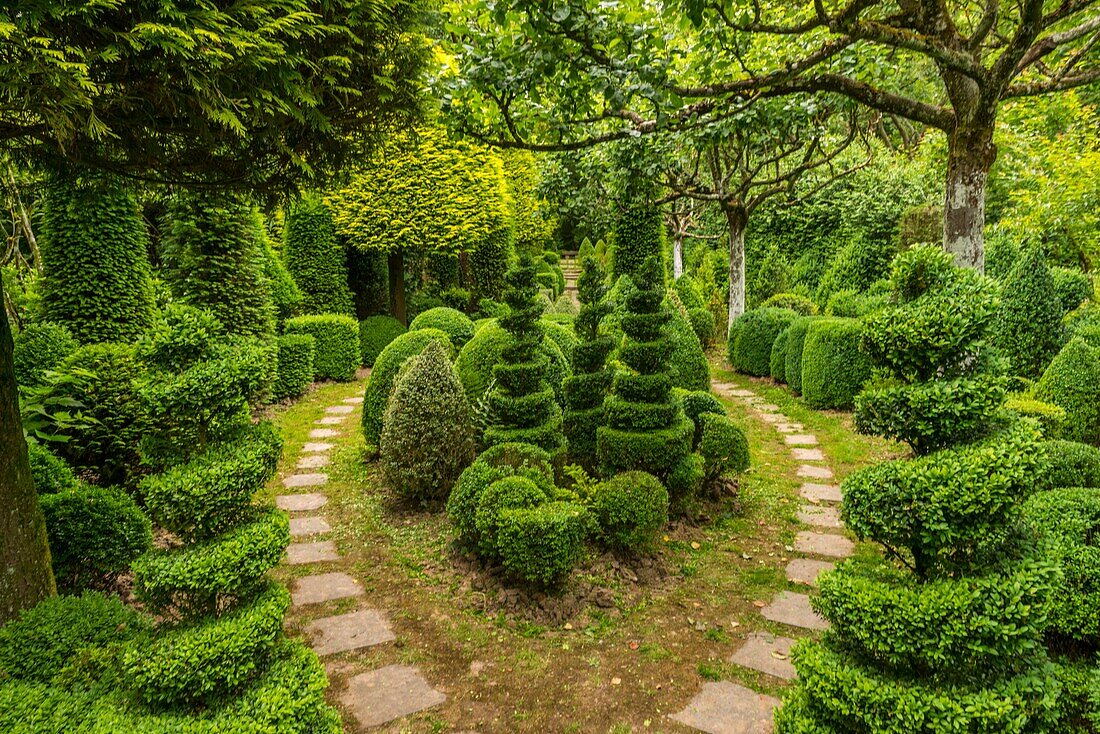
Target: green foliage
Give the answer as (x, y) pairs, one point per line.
(336, 355)
(95, 264)
(630, 509)
(498, 462)
(94, 534)
(1072, 287)
(316, 260)
(375, 334)
(1050, 417)
(454, 324)
(639, 229)
(778, 364)
(1072, 382)
(513, 492)
(564, 305)
(855, 266)
(384, 375)
(697, 404)
(687, 365)
(427, 436)
(542, 544)
(180, 337)
(793, 301)
(751, 340)
(703, 324)
(586, 389)
(286, 297)
(853, 304)
(796, 341)
(215, 261)
(37, 645)
(723, 446)
(534, 225)
(688, 291)
(295, 371)
(1070, 464)
(49, 473)
(770, 277)
(40, 347)
(1029, 323)
(488, 264)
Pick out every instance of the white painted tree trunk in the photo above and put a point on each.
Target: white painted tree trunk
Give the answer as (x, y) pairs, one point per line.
(737, 219)
(677, 256)
(969, 160)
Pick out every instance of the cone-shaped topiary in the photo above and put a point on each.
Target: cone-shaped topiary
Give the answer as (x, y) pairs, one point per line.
(384, 376)
(587, 388)
(427, 433)
(316, 260)
(947, 637)
(1072, 382)
(522, 401)
(1029, 323)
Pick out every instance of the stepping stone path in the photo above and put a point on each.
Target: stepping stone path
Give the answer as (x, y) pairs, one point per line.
(379, 696)
(728, 708)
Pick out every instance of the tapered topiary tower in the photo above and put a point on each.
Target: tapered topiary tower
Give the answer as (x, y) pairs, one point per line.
(522, 401)
(586, 389)
(947, 635)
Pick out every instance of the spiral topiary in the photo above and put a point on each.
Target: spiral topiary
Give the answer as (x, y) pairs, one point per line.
(587, 388)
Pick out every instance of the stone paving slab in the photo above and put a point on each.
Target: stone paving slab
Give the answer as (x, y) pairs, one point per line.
(302, 526)
(323, 433)
(389, 693)
(825, 517)
(800, 439)
(324, 587)
(790, 427)
(313, 461)
(339, 409)
(298, 554)
(823, 544)
(352, 631)
(767, 408)
(809, 471)
(728, 708)
(316, 447)
(806, 570)
(821, 492)
(301, 502)
(795, 610)
(807, 454)
(740, 393)
(768, 654)
(771, 417)
(330, 420)
(354, 401)
(305, 480)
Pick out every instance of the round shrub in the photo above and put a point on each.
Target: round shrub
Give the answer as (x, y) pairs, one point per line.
(703, 324)
(630, 510)
(336, 356)
(94, 533)
(40, 347)
(542, 544)
(454, 324)
(384, 375)
(316, 260)
(427, 436)
(687, 364)
(856, 266)
(792, 301)
(497, 462)
(181, 336)
(778, 366)
(834, 368)
(1072, 287)
(1029, 322)
(723, 446)
(295, 370)
(1070, 464)
(375, 334)
(508, 493)
(49, 473)
(563, 306)
(697, 404)
(853, 304)
(1072, 382)
(751, 340)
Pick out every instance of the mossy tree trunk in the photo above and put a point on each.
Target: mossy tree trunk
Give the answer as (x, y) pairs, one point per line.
(396, 263)
(737, 218)
(971, 153)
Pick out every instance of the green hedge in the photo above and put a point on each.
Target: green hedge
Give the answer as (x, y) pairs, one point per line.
(453, 323)
(1072, 382)
(687, 364)
(316, 260)
(834, 368)
(752, 337)
(336, 356)
(375, 334)
(793, 302)
(630, 509)
(384, 375)
(1050, 417)
(39, 348)
(778, 364)
(1029, 324)
(796, 342)
(295, 371)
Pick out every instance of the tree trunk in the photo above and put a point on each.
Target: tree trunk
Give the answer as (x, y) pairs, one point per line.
(737, 218)
(677, 255)
(26, 577)
(468, 280)
(396, 262)
(970, 156)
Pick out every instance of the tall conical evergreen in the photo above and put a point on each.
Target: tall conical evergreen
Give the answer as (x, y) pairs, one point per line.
(1029, 326)
(946, 636)
(586, 389)
(522, 401)
(316, 259)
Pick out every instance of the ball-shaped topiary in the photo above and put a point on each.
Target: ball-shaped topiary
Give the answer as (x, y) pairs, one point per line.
(180, 337)
(476, 361)
(336, 353)
(427, 434)
(49, 473)
(1072, 382)
(793, 301)
(703, 324)
(630, 510)
(1029, 323)
(541, 544)
(455, 324)
(508, 493)
(295, 371)
(1070, 464)
(1072, 287)
(384, 375)
(834, 368)
(723, 446)
(750, 344)
(39, 348)
(375, 334)
(316, 260)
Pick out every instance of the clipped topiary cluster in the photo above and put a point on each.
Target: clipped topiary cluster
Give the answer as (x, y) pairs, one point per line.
(375, 334)
(586, 389)
(1029, 322)
(1072, 287)
(793, 301)
(452, 322)
(1072, 382)
(336, 353)
(482, 353)
(630, 510)
(385, 372)
(834, 368)
(40, 348)
(295, 371)
(316, 260)
(752, 336)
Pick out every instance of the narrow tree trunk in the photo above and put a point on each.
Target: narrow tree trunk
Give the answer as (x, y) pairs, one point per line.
(737, 218)
(677, 254)
(396, 263)
(26, 577)
(970, 156)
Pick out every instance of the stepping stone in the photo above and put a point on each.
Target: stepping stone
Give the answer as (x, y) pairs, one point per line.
(316, 448)
(354, 401)
(810, 471)
(768, 654)
(324, 587)
(304, 480)
(298, 554)
(771, 417)
(389, 693)
(316, 461)
(323, 433)
(728, 708)
(795, 610)
(300, 502)
(808, 454)
(300, 526)
(825, 517)
(339, 409)
(743, 393)
(823, 544)
(789, 427)
(800, 439)
(767, 408)
(330, 420)
(806, 570)
(821, 492)
(352, 631)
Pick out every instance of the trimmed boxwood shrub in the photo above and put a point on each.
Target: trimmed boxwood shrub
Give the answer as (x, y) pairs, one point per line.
(792, 301)
(285, 295)
(778, 366)
(375, 334)
(562, 335)
(630, 510)
(855, 304)
(1029, 323)
(697, 404)
(453, 323)
(689, 292)
(586, 389)
(316, 260)
(384, 375)
(1050, 417)
(542, 544)
(39, 348)
(834, 368)
(687, 365)
(1070, 464)
(723, 446)
(752, 336)
(1072, 287)
(476, 361)
(796, 341)
(295, 370)
(1072, 382)
(336, 355)
(703, 324)
(427, 434)
(49, 473)
(639, 234)
(511, 492)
